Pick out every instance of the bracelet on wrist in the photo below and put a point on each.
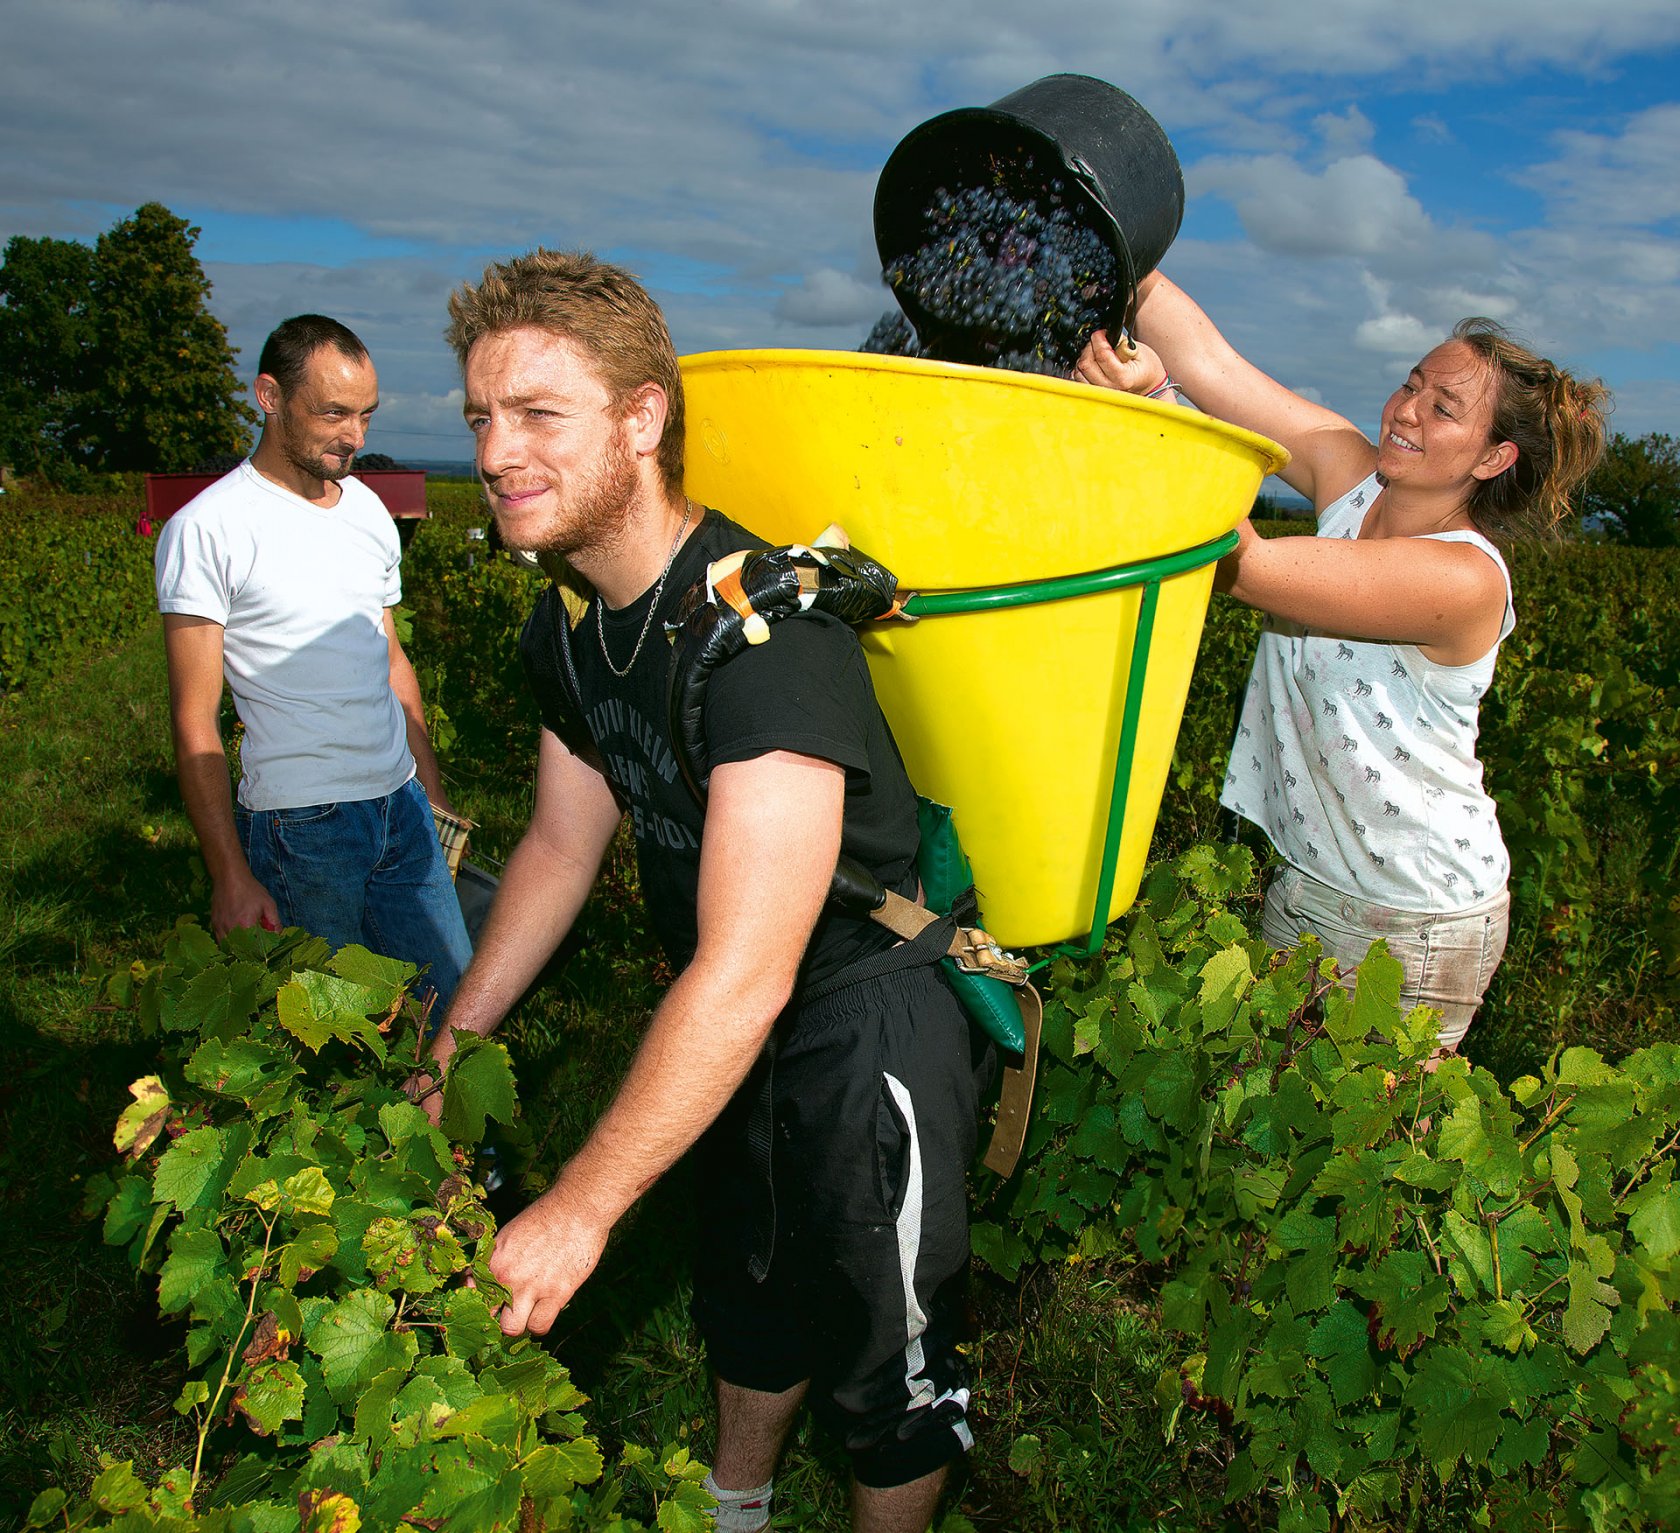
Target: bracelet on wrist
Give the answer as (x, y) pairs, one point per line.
(1165, 386)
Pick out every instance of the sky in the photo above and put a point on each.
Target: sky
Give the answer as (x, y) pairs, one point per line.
(1358, 175)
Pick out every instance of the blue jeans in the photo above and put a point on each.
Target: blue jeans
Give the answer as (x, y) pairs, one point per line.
(371, 872)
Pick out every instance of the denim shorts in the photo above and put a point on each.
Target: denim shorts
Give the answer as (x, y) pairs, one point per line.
(1448, 957)
(368, 871)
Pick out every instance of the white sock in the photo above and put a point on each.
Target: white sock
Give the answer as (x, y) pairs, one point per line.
(741, 1511)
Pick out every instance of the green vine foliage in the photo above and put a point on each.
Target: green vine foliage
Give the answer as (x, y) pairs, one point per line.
(73, 576)
(328, 1250)
(1391, 1283)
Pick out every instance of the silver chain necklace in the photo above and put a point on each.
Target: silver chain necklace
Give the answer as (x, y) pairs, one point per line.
(653, 606)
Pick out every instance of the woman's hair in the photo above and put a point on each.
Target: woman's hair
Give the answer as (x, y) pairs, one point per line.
(1556, 422)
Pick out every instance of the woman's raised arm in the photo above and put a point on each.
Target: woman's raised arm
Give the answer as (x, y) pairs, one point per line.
(1328, 454)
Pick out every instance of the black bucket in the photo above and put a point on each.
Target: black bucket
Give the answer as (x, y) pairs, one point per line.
(1083, 130)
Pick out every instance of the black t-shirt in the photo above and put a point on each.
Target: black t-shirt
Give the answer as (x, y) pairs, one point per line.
(806, 690)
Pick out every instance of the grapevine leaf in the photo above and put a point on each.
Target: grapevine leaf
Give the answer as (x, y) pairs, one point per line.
(555, 1468)
(1308, 1278)
(218, 997)
(1171, 1093)
(239, 1068)
(1098, 1138)
(1656, 1222)
(127, 1212)
(1587, 1316)
(1481, 1138)
(307, 1252)
(196, 1259)
(1456, 1399)
(143, 1119)
(354, 1347)
(372, 1423)
(687, 1509)
(1366, 1106)
(1504, 1324)
(118, 1489)
(415, 1254)
(1472, 1271)
(383, 978)
(478, 1086)
(1419, 1169)
(1342, 1341)
(328, 1511)
(1524, 1442)
(269, 1395)
(492, 1417)
(1225, 980)
(1376, 992)
(352, 1218)
(45, 1509)
(1408, 1297)
(307, 1192)
(314, 1007)
(468, 1325)
(1584, 1067)
(472, 1488)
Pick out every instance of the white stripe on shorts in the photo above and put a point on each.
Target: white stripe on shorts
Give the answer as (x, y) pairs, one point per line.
(919, 1386)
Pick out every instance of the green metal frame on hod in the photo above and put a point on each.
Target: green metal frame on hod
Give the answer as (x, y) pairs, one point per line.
(1148, 573)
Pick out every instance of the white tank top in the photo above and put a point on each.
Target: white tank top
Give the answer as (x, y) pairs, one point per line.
(1358, 758)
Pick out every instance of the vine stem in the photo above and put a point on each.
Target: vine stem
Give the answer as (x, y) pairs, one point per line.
(1644, 1166)
(1423, 1230)
(209, 1418)
(1557, 1111)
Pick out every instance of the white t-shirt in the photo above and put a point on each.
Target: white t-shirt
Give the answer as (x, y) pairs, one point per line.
(301, 592)
(1358, 758)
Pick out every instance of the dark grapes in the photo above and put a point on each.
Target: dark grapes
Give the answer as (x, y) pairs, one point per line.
(1008, 275)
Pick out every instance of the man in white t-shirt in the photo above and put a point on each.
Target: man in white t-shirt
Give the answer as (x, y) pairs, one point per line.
(283, 576)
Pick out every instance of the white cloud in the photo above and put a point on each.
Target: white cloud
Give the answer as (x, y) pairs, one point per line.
(1609, 180)
(1355, 206)
(832, 298)
(1345, 133)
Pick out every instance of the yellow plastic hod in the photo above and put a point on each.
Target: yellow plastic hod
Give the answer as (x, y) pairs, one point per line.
(961, 478)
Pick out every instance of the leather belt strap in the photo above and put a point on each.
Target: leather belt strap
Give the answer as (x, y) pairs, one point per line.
(976, 953)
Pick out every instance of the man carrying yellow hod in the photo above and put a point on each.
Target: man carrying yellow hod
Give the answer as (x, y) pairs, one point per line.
(820, 1074)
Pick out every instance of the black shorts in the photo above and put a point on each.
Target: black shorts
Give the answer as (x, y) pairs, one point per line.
(847, 1264)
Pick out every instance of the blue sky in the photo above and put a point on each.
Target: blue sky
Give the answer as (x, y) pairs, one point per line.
(1359, 176)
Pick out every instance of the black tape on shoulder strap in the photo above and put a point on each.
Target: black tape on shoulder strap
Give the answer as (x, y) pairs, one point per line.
(778, 583)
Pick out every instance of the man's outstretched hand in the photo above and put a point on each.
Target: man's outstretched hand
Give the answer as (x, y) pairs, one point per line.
(542, 1258)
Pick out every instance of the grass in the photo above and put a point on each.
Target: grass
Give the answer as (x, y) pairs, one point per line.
(97, 861)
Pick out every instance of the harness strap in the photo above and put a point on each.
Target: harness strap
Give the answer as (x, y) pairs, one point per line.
(928, 938)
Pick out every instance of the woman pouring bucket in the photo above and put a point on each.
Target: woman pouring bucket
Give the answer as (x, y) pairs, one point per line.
(1355, 753)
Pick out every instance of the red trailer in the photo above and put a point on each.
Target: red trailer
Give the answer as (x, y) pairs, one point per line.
(402, 489)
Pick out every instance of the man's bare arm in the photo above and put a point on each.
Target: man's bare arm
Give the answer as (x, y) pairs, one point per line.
(771, 841)
(194, 649)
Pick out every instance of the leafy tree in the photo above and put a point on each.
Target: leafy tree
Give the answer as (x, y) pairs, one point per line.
(1635, 491)
(109, 357)
(46, 334)
(168, 395)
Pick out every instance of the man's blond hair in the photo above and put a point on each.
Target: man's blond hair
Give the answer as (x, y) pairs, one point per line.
(601, 309)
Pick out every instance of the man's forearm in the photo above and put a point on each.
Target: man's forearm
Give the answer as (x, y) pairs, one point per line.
(207, 790)
(700, 1046)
